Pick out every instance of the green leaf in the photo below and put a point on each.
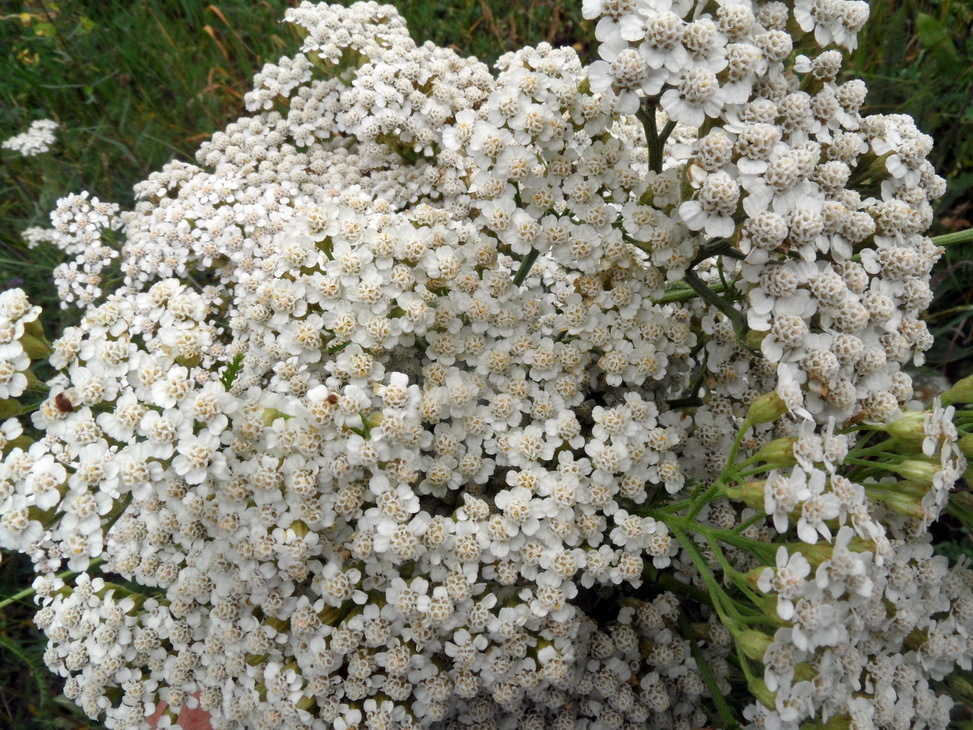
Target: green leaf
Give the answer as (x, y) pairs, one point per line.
(232, 370)
(45, 30)
(936, 39)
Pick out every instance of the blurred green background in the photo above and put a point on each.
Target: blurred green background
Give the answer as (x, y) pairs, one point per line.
(135, 83)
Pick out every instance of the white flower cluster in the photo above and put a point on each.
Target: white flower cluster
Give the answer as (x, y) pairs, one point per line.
(419, 399)
(37, 139)
(886, 611)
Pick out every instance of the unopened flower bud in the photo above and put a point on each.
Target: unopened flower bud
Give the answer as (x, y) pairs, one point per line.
(751, 494)
(21, 442)
(9, 408)
(189, 362)
(754, 338)
(878, 170)
(330, 615)
(763, 694)
(964, 500)
(916, 639)
(922, 472)
(961, 392)
(767, 408)
(911, 427)
(272, 414)
(960, 685)
(36, 349)
(814, 554)
(779, 452)
(904, 504)
(754, 643)
(34, 383)
(966, 445)
(805, 672)
(35, 329)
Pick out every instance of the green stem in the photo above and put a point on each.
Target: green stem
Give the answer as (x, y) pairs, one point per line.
(752, 521)
(667, 582)
(682, 294)
(647, 117)
(721, 601)
(710, 297)
(726, 714)
(948, 239)
(703, 499)
(123, 504)
(525, 266)
(766, 553)
(663, 138)
(730, 571)
(27, 592)
(871, 464)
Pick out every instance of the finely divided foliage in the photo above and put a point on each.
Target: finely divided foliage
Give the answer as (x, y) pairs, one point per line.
(429, 395)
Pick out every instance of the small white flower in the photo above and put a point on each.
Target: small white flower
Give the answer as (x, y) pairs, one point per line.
(787, 581)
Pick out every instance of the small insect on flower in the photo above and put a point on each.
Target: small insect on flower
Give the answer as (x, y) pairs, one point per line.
(63, 404)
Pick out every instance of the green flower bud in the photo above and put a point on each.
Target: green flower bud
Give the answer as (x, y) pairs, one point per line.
(35, 329)
(762, 693)
(911, 427)
(331, 615)
(189, 362)
(921, 472)
(804, 672)
(36, 349)
(915, 640)
(754, 643)
(34, 383)
(904, 504)
(9, 408)
(751, 494)
(767, 408)
(778, 452)
(961, 392)
(961, 685)
(272, 414)
(754, 338)
(966, 445)
(962, 502)
(878, 170)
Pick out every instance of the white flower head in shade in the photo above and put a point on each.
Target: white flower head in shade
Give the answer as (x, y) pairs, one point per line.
(38, 138)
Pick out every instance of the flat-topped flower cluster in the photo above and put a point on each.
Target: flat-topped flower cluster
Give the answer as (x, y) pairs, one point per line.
(430, 396)
(38, 139)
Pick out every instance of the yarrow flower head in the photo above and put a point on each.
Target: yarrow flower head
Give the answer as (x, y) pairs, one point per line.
(38, 138)
(429, 395)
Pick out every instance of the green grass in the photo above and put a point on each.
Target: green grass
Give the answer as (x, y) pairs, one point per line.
(134, 84)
